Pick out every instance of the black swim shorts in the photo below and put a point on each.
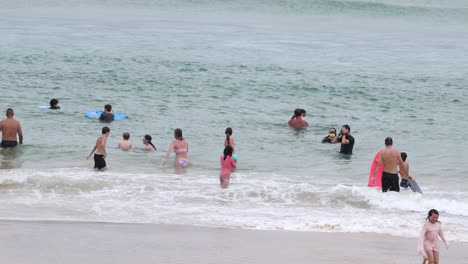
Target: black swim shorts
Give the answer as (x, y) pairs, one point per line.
(390, 182)
(404, 183)
(99, 161)
(8, 144)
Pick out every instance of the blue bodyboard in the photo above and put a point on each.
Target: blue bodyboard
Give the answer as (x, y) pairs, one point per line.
(97, 113)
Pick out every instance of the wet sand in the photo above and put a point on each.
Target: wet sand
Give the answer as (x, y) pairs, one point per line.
(47, 242)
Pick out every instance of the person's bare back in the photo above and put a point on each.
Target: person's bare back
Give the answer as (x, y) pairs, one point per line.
(391, 159)
(125, 145)
(10, 128)
(404, 170)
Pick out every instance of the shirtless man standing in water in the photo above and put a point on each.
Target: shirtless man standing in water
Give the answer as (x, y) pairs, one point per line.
(391, 159)
(9, 128)
(100, 148)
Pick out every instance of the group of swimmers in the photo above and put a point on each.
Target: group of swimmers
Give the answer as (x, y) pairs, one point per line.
(179, 146)
(10, 128)
(393, 162)
(344, 137)
(391, 159)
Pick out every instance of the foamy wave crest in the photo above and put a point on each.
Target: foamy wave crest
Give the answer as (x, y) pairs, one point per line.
(252, 201)
(61, 180)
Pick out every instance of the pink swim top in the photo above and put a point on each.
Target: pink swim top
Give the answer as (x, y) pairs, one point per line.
(226, 166)
(178, 149)
(429, 237)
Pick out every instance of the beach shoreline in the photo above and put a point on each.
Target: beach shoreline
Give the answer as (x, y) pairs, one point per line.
(44, 241)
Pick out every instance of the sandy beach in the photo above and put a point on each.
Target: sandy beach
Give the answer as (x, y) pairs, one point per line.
(88, 242)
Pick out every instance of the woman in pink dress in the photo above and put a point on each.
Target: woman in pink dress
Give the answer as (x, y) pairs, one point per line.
(428, 240)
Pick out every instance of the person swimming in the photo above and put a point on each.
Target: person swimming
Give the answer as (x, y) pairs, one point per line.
(125, 144)
(148, 144)
(107, 115)
(54, 104)
(331, 137)
(297, 120)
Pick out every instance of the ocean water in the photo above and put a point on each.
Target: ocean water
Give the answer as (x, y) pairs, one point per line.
(386, 68)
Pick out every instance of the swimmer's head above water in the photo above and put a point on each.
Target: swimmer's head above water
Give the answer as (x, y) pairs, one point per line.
(54, 104)
(147, 140)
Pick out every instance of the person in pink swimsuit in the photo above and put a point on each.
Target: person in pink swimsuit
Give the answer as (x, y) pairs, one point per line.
(227, 165)
(180, 146)
(428, 240)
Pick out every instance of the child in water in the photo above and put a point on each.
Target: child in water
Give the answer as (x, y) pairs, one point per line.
(229, 141)
(125, 144)
(428, 240)
(227, 164)
(404, 174)
(148, 144)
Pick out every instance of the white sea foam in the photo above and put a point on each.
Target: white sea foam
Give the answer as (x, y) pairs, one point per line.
(250, 202)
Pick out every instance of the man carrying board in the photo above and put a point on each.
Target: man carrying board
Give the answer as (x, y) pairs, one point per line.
(391, 159)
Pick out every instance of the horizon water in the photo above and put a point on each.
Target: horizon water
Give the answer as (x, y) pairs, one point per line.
(386, 68)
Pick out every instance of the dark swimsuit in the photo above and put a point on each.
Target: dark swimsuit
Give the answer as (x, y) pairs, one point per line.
(8, 144)
(404, 183)
(390, 182)
(99, 161)
(106, 117)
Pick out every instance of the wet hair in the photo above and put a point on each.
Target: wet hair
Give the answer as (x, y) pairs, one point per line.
(297, 113)
(228, 151)
(105, 130)
(430, 213)
(108, 107)
(228, 133)
(53, 104)
(403, 156)
(303, 112)
(9, 112)
(126, 135)
(388, 141)
(347, 128)
(331, 128)
(178, 134)
(148, 139)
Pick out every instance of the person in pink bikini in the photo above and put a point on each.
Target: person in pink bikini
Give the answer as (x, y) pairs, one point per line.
(227, 165)
(428, 240)
(180, 146)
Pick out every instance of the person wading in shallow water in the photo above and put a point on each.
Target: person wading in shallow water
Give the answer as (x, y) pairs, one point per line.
(10, 128)
(391, 160)
(100, 149)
